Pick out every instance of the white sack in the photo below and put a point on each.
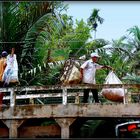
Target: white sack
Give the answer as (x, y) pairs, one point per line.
(113, 94)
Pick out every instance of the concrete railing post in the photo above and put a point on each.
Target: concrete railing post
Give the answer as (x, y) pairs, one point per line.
(13, 127)
(65, 123)
(64, 96)
(12, 98)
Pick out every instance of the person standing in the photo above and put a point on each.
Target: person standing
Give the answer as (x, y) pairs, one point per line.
(2, 68)
(88, 71)
(2, 64)
(11, 71)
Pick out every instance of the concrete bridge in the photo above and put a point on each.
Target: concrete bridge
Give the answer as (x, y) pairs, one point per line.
(64, 113)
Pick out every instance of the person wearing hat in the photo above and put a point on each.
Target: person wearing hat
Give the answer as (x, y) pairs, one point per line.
(88, 70)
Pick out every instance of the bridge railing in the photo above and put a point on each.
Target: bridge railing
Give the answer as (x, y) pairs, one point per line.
(62, 91)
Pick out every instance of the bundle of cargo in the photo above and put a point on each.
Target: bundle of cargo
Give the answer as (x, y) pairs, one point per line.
(71, 74)
(113, 94)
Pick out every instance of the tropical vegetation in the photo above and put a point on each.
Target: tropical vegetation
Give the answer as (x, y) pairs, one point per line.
(43, 34)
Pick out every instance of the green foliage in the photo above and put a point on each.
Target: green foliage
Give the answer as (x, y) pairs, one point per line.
(49, 36)
(101, 75)
(36, 25)
(46, 29)
(49, 122)
(95, 18)
(133, 78)
(133, 41)
(60, 54)
(135, 31)
(116, 56)
(79, 38)
(89, 127)
(46, 76)
(95, 44)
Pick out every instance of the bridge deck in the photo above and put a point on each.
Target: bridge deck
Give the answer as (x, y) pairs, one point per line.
(71, 110)
(65, 113)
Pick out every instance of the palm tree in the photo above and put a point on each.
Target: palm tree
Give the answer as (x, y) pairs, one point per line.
(59, 45)
(133, 42)
(22, 26)
(94, 19)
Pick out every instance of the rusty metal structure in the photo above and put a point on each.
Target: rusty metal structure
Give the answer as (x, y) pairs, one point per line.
(64, 113)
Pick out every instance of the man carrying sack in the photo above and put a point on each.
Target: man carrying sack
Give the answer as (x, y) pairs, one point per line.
(88, 71)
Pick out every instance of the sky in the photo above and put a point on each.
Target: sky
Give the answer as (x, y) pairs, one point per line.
(118, 16)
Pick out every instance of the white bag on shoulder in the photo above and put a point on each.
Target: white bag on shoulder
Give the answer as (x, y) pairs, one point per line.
(113, 94)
